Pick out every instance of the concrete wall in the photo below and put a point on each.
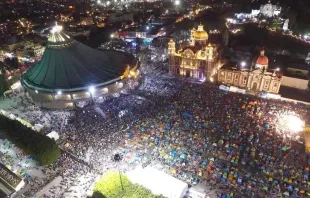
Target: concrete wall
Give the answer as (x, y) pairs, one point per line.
(294, 82)
(68, 100)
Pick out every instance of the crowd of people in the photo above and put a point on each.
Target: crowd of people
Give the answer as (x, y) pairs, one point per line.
(200, 134)
(234, 145)
(224, 139)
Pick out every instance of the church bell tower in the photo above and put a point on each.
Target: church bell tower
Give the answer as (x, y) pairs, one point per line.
(171, 52)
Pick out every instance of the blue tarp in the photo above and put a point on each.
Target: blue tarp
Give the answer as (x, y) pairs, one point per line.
(187, 114)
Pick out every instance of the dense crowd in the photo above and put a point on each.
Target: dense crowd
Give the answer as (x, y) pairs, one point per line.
(232, 144)
(200, 134)
(226, 140)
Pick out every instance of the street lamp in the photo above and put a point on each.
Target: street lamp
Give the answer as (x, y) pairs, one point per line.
(177, 2)
(91, 90)
(59, 93)
(306, 36)
(243, 64)
(117, 158)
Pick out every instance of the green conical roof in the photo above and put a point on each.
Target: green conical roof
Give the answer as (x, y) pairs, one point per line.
(68, 64)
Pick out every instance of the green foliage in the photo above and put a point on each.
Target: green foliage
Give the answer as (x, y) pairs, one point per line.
(4, 85)
(44, 149)
(109, 186)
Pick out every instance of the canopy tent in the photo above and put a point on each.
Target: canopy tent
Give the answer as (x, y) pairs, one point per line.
(16, 86)
(223, 88)
(4, 112)
(158, 182)
(12, 116)
(38, 127)
(53, 135)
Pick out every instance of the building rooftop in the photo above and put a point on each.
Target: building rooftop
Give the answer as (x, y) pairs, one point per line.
(68, 64)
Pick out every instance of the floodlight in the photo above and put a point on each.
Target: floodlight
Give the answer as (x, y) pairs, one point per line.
(91, 89)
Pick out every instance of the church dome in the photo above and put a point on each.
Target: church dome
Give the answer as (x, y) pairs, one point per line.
(262, 59)
(200, 34)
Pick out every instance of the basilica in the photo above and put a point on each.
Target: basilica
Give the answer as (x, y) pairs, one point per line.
(195, 59)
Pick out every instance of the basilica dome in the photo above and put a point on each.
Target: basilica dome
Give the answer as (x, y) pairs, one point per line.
(200, 34)
(262, 59)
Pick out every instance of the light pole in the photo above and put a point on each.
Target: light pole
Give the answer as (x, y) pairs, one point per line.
(243, 64)
(117, 158)
(91, 91)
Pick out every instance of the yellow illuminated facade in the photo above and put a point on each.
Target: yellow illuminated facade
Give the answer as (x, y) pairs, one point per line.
(194, 60)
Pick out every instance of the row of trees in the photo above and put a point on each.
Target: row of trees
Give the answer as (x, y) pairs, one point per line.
(109, 186)
(4, 85)
(41, 147)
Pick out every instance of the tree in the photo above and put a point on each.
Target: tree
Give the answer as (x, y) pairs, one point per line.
(109, 186)
(12, 62)
(3, 82)
(41, 147)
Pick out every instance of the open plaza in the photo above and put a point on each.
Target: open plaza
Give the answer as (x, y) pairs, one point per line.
(217, 142)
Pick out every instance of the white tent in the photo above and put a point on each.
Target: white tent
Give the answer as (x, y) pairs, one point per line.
(38, 127)
(16, 86)
(12, 116)
(158, 182)
(3, 112)
(53, 135)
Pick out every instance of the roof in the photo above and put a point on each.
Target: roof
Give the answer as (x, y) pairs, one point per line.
(8, 177)
(293, 93)
(194, 48)
(200, 35)
(262, 60)
(68, 64)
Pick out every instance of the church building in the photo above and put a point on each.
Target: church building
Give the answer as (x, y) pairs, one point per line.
(258, 79)
(196, 59)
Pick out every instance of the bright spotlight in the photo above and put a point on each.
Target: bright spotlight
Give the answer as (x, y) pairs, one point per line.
(177, 2)
(91, 89)
(108, 2)
(291, 123)
(243, 64)
(59, 93)
(295, 124)
(147, 27)
(56, 28)
(306, 36)
(112, 35)
(278, 69)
